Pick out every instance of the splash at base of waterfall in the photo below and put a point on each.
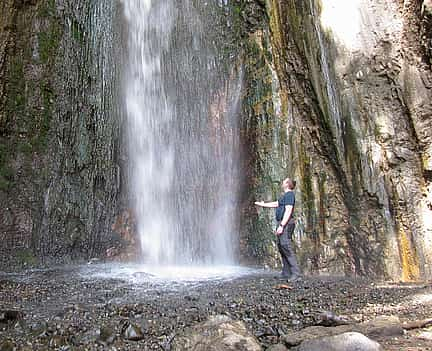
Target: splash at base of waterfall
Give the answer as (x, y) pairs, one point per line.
(139, 273)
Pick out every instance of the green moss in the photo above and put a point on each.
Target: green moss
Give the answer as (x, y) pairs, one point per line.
(48, 43)
(26, 257)
(237, 9)
(25, 147)
(49, 37)
(322, 178)
(77, 32)
(352, 156)
(6, 176)
(16, 101)
(40, 139)
(46, 9)
(260, 239)
(3, 153)
(4, 183)
(308, 198)
(6, 173)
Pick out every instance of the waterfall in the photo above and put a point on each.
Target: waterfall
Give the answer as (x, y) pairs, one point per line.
(330, 88)
(182, 135)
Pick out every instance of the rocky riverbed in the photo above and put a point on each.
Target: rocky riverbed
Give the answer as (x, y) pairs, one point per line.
(92, 308)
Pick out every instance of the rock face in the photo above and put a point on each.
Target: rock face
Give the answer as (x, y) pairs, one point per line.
(340, 103)
(59, 129)
(347, 112)
(218, 333)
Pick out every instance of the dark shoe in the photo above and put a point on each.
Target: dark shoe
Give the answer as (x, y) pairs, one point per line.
(282, 276)
(295, 278)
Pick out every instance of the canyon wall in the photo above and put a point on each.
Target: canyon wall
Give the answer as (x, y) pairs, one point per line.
(335, 94)
(349, 94)
(59, 130)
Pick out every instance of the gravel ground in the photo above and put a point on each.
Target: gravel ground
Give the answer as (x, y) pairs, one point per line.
(63, 309)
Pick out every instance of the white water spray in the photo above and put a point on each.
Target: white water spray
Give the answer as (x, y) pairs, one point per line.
(182, 136)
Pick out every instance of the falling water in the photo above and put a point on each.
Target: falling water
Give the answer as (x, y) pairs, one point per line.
(334, 109)
(182, 135)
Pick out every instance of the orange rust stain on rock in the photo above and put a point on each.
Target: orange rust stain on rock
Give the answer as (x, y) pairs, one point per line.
(410, 262)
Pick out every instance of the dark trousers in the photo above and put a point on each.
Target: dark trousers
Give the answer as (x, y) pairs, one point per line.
(289, 261)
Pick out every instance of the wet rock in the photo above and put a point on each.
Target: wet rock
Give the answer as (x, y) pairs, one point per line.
(191, 297)
(143, 275)
(94, 261)
(296, 338)
(342, 342)
(39, 330)
(277, 347)
(427, 7)
(10, 315)
(382, 326)
(329, 319)
(133, 332)
(89, 337)
(427, 335)
(57, 341)
(106, 335)
(7, 346)
(217, 333)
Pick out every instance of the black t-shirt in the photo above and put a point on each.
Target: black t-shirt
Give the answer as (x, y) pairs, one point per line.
(286, 199)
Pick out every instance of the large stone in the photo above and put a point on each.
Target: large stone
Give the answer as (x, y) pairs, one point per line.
(329, 319)
(10, 315)
(342, 342)
(7, 345)
(381, 326)
(277, 347)
(427, 6)
(57, 341)
(426, 335)
(107, 335)
(219, 333)
(133, 332)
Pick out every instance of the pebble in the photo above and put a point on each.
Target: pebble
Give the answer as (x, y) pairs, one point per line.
(65, 307)
(133, 332)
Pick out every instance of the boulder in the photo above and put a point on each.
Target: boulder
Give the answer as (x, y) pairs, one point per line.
(277, 347)
(426, 335)
(296, 338)
(57, 341)
(10, 316)
(7, 345)
(106, 335)
(329, 319)
(381, 326)
(343, 342)
(133, 332)
(427, 7)
(218, 333)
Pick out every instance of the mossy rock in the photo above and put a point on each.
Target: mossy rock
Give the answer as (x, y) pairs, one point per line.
(26, 257)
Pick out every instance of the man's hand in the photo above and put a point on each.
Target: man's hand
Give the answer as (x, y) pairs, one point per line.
(279, 230)
(259, 203)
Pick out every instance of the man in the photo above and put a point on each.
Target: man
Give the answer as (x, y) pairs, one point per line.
(286, 224)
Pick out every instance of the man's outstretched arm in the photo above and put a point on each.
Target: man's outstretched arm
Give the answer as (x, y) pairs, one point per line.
(272, 204)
